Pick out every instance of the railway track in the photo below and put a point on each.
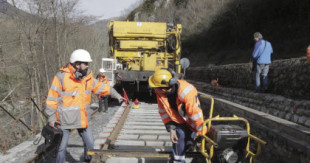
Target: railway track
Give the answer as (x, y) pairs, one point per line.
(139, 135)
(133, 135)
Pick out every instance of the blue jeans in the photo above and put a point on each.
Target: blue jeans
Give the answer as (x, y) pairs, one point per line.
(185, 140)
(88, 140)
(261, 70)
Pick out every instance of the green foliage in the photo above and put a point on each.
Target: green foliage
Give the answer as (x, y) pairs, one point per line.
(131, 15)
(221, 31)
(229, 39)
(148, 6)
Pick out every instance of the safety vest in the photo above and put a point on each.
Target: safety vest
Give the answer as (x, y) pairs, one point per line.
(188, 105)
(69, 98)
(104, 79)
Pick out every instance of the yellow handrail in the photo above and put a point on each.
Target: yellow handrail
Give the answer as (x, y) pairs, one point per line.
(211, 108)
(213, 145)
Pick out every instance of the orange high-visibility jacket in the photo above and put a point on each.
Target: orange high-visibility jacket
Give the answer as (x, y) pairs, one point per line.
(69, 98)
(104, 80)
(189, 111)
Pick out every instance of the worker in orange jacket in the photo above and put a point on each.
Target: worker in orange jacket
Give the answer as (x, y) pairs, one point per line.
(70, 96)
(102, 77)
(103, 100)
(179, 108)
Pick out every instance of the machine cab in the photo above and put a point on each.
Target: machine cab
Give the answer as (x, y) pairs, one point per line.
(109, 65)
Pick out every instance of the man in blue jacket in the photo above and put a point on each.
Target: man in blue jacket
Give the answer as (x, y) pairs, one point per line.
(262, 56)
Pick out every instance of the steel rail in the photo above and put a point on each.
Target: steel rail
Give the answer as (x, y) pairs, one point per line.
(110, 142)
(108, 150)
(139, 153)
(112, 138)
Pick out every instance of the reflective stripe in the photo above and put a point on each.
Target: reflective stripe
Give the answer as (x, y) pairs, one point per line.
(185, 91)
(199, 128)
(87, 106)
(197, 116)
(161, 110)
(176, 157)
(51, 113)
(56, 89)
(49, 108)
(164, 116)
(94, 83)
(70, 93)
(61, 76)
(70, 108)
(100, 89)
(88, 92)
(52, 98)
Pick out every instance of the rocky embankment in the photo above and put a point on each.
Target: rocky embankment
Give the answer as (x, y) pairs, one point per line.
(289, 89)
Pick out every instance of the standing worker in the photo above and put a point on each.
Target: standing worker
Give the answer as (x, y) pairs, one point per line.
(103, 100)
(262, 59)
(70, 96)
(179, 108)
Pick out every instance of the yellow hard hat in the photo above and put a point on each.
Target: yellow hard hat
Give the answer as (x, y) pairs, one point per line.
(160, 78)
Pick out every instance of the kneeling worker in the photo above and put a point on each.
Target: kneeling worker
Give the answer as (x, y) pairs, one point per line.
(103, 100)
(70, 96)
(179, 108)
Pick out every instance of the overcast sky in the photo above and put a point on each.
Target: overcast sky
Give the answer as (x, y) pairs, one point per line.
(101, 8)
(106, 8)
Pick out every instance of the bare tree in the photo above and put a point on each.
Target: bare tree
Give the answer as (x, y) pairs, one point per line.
(39, 43)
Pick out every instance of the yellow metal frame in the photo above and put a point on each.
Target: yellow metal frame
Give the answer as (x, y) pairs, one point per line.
(139, 39)
(136, 44)
(209, 152)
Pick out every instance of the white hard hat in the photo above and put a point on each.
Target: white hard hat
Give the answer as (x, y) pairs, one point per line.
(102, 70)
(80, 55)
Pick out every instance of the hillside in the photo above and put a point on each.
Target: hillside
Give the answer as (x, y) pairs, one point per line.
(8, 10)
(33, 46)
(221, 32)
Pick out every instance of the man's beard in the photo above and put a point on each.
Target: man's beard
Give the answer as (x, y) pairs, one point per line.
(83, 72)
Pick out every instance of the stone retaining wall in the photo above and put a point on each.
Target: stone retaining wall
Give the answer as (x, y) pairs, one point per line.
(289, 78)
(284, 143)
(289, 99)
(297, 111)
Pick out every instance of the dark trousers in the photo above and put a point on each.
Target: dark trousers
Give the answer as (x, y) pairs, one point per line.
(185, 140)
(103, 104)
(261, 72)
